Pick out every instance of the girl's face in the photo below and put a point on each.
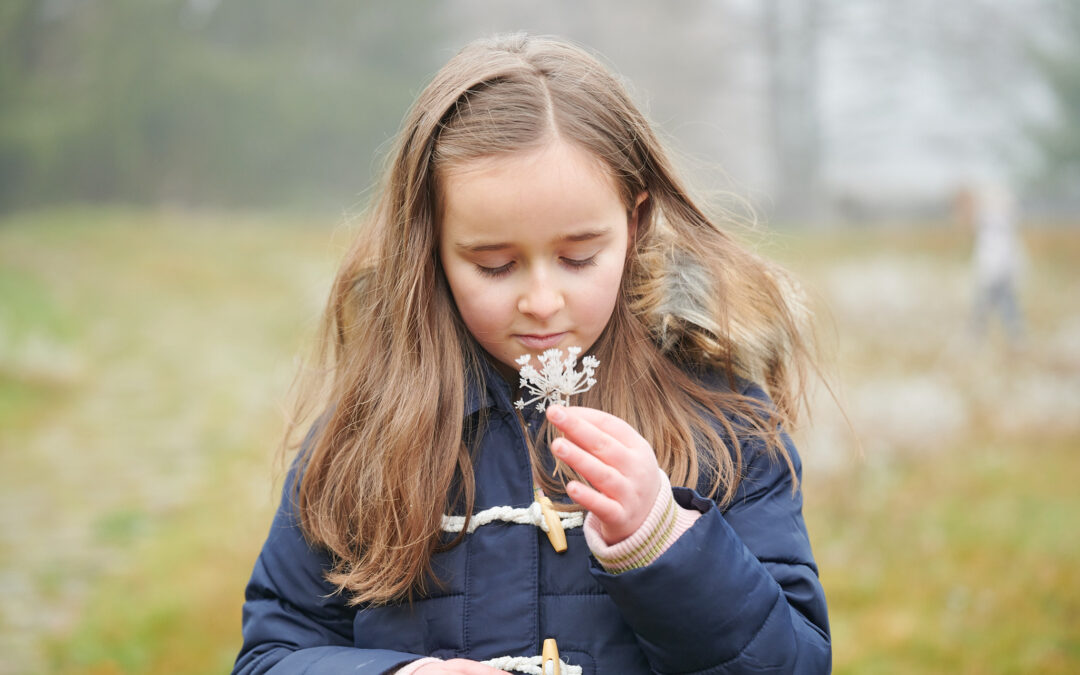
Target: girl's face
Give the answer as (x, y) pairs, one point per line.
(533, 246)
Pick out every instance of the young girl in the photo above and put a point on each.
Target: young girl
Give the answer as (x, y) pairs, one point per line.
(529, 208)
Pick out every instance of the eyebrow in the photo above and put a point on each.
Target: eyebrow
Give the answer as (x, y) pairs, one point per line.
(588, 235)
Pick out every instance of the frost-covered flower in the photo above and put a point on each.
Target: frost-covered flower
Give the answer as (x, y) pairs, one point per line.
(557, 380)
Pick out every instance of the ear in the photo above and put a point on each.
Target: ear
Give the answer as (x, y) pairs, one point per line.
(632, 219)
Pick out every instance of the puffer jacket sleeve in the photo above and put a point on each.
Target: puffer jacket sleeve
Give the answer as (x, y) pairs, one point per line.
(739, 591)
(293, 622)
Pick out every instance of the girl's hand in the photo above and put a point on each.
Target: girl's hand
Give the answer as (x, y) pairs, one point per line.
(457, 667)
(618, 463)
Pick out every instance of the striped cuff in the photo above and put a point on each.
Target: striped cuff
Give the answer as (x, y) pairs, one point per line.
(664, 525)
(410, 668)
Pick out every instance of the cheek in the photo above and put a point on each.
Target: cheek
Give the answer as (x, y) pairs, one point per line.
(478, 302)
(600, 301)
(473, 314)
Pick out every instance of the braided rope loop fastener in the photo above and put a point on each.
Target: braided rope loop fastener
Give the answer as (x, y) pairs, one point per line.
(533, 515)
(529, 664)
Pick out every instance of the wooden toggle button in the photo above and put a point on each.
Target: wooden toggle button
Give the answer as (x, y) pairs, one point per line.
(549, 658)
(556, 534)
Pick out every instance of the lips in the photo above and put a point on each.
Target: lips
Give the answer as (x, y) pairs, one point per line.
(540, 341)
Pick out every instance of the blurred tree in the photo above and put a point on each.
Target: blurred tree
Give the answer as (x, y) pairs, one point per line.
(274, 102)
(246, 102)
(792, 33)
(20, 60)
(917, 96)
(1058, 141)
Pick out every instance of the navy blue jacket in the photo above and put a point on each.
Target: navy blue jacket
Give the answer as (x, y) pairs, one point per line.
(737, 593)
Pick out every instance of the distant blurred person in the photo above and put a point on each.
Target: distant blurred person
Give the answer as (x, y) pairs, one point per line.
(997, 259)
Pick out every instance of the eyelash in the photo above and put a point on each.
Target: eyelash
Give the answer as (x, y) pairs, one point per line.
(579, 264)
(499, 271)
(503, 270)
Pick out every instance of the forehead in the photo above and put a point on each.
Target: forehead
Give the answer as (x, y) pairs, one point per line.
(550, 190)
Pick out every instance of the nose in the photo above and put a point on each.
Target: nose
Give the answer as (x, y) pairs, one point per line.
(541, 299)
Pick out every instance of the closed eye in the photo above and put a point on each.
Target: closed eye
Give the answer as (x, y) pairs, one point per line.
(575, 263)
(500, 271)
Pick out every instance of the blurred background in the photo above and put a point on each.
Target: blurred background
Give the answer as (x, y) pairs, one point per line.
(179, 178)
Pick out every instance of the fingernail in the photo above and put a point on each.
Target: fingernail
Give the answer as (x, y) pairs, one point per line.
(557, 448)
(556, 413)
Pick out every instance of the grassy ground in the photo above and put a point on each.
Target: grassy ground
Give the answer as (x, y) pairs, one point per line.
(143, 358)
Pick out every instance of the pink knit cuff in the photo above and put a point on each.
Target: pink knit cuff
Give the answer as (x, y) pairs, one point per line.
(664, 525)
(410, 668)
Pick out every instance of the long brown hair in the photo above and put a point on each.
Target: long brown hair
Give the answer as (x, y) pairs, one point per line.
(394, 357)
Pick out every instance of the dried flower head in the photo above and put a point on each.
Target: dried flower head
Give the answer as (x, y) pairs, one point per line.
(556, 381)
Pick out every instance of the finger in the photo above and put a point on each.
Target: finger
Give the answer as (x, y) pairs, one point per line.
(614, 426)
(587, 435)
(601, 476)
(605, 508)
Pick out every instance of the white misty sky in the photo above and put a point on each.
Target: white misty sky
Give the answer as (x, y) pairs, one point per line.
(913, 97)
(921, 96)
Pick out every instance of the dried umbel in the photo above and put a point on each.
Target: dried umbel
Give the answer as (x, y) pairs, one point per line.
(557, 380)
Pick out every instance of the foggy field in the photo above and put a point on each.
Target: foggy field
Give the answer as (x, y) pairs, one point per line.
(145, 356)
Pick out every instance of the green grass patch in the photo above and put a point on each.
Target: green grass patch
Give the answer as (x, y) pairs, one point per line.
(966, 562)
(177, 608)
